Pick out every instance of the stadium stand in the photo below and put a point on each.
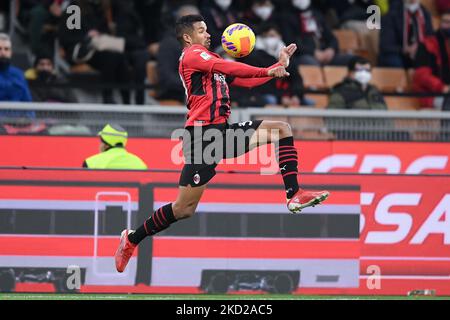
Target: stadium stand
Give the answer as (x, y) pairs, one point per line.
(402, 103)
(306, 128)
(87, 83)
(390, 79)
(420, 130)
(348, 41)
(321, 100)
(275, 117)
(431, 6)
(436, 21)
(334, 75)
(312, 77)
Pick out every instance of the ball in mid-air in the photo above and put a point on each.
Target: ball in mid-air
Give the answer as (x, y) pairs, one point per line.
(238, 40)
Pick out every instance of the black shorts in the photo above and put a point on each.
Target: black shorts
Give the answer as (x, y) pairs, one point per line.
(204, 147)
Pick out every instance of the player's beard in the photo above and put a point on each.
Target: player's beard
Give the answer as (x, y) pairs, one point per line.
(207, 44)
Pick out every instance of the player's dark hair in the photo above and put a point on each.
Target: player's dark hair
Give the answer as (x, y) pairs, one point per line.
(356, 60)
(185, 24)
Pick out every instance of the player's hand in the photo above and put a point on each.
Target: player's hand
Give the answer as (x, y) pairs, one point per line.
(278, 72)
(286, 53)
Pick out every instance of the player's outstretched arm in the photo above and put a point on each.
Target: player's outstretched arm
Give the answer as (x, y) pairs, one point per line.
(278, 72)
(238, 69)
(201, 60)
(275, 71)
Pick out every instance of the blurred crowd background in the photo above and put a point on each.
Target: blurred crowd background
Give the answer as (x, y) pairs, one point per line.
(126, 52)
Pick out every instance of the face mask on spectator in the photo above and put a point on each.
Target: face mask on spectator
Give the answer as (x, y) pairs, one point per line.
(363, 76)
(224, 4)
(413, 7)
(301, 4)
(272, 45)
(4, 63)
(263, 12)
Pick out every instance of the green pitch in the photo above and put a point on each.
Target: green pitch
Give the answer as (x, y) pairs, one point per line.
(26, 296)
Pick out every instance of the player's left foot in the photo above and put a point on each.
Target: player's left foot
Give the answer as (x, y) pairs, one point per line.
(303, 199)
(124, 251)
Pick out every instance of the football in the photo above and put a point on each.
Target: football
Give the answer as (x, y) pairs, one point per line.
(238, 40)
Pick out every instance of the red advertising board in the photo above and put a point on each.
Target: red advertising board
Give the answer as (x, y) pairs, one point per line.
(315, 156)
(404, 233)
(407, 225)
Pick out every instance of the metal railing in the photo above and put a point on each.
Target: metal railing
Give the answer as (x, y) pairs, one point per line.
(88, 119)
(161, 121)
(310, 123)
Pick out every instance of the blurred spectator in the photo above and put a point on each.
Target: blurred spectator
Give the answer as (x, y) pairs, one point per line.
(305, 26)
(4, 13)
(350, 14)
(43, 25)
(286, 91)
(402, 30)
(14, 88)
(43, 78)
(23, 10)
(149, 12)
(78, 47)
(169, 84)
(353, 15)
(127, 24)
(432, 74)
(169, 13)
(261, 11)
(442, 6)
(45, 87)
(218, 15)
(355, 92)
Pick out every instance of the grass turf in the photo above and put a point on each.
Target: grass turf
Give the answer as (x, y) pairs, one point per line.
(28, 296)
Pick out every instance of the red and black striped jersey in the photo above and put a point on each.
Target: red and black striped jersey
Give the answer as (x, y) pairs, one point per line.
(205, 77)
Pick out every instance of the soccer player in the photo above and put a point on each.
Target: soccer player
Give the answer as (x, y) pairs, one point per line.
(205, 76)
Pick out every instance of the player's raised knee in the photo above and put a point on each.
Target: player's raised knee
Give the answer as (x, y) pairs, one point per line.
(284, 128)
